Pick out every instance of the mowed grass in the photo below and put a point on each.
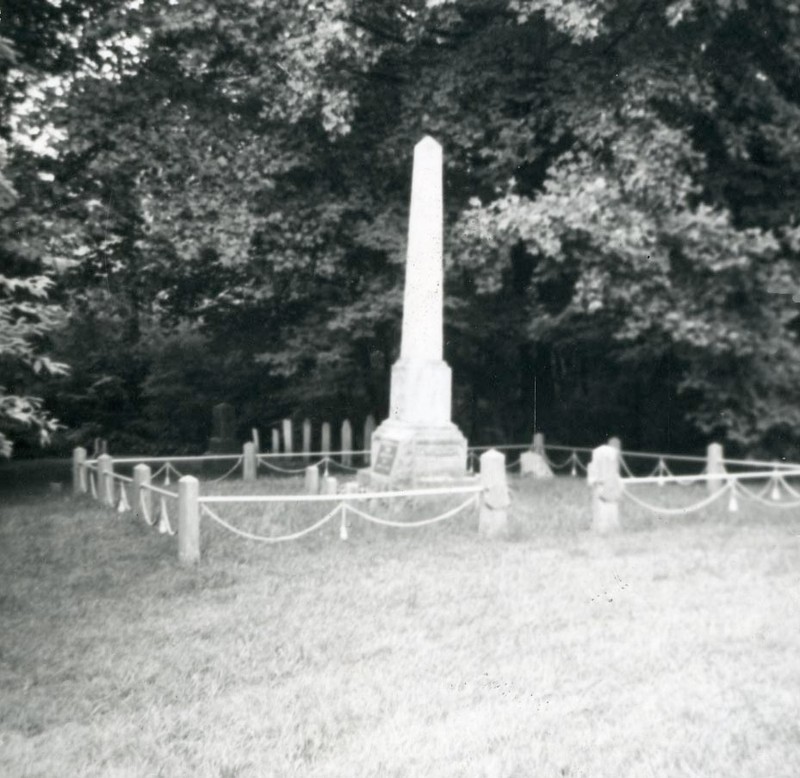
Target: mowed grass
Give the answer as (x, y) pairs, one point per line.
(670, 649)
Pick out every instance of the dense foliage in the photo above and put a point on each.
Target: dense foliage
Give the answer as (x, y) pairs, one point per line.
(227, 205)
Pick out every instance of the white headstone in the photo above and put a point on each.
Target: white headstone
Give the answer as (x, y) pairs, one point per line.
(533, 463)
(288, 444)
(715, 467)
(347, 442)
(306, 437)
(603, 478)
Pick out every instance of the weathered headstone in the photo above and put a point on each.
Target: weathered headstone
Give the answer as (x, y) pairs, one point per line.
(325, 446)
(369, 429)
(288, 442)
(249, 461)
(78, 470)
(715, 467)
(493, 517)
(312, 479)
(538, 443)
(347, 443)
(430, 446)
(306, 438)
(603, 478)
(223, 429)
(534, 464)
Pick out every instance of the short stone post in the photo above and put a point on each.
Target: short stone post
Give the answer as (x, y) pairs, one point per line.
(78, 472)
(142, 478)
(369, 428)
(312, 479)
(105, 479)
(538, 443)
(306, 438)
(288, 443)
(493, 518)
(325, 446)
(276, 442)
(188, 520)
(347, 442)
(603, 479)
(249, 461)
(715, 467)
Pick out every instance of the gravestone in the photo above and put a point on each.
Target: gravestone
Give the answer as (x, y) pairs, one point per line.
(288, 438)
(306, 438)
(532, 463)
(715, 467)
(602, 476)
(419, 438)
(347, 443)
(223, 429)
(369, 429)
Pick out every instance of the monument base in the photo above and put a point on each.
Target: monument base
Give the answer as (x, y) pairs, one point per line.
(416, 455)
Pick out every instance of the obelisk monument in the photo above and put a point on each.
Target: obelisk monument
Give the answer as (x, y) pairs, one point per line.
(418, 443)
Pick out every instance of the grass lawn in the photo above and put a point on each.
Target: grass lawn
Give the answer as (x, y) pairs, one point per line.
(670, 649)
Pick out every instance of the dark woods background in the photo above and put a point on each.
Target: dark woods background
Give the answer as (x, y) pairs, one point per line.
(224, 208)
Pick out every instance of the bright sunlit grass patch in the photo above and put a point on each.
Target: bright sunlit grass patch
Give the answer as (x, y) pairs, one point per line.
(669, 649)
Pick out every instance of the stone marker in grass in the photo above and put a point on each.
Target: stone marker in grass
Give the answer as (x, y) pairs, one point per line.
(249, 461)
(306, 438)
(532, 463)
(715, 467)
(78, 471)
(603, 478)
(347, 443)
(288, 440)
(312, 479)
(493, 517)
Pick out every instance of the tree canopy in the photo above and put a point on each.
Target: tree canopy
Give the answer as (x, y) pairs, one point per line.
(224, 209)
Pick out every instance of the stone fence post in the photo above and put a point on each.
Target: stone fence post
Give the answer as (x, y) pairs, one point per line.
(276, 442)
(715, 467)
(105, 479)
(78, 470)
(325, 442)
(538, 443)
(142, 477)
(188, 520)
(493, 517)
(603, 478)
(249, 461)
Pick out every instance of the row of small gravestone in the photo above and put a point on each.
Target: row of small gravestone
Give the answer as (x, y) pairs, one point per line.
(223, 430)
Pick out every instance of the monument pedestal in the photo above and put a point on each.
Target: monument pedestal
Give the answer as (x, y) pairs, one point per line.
(405, 455)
